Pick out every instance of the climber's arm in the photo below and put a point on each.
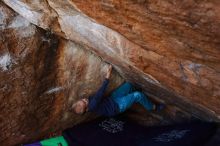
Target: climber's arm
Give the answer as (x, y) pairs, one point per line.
(96, 99)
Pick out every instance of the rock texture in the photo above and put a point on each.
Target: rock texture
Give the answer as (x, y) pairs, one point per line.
(170, 48)
(41, 76)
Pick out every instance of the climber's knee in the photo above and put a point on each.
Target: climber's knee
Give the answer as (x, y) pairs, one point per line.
(138, 95)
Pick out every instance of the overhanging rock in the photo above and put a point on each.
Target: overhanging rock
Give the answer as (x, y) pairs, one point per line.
(41, 76)
(171, 49)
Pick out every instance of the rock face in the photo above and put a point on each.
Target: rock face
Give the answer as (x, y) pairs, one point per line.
(169, 48)
(41, 76)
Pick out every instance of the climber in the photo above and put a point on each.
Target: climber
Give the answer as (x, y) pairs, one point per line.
(120, 100)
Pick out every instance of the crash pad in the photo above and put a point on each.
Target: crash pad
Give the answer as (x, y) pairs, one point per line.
(122, 132)
(56, 141)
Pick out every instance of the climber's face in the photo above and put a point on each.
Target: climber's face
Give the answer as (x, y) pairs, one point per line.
(80, 107)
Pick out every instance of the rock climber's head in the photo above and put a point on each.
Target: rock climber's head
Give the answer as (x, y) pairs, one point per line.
(81, 106)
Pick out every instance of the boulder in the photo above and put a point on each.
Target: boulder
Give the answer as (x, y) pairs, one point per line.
(41, 76)
(169, 48)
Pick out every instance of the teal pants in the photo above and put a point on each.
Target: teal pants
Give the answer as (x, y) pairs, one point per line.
(125, 95)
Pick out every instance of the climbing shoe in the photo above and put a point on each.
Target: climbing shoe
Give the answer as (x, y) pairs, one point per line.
(160, 107)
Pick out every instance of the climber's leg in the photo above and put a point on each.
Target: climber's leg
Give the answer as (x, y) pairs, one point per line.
(123, 90)
(127, 101)
(143, 100)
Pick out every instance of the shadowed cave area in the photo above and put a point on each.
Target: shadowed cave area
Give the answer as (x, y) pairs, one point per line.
(53, 53)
